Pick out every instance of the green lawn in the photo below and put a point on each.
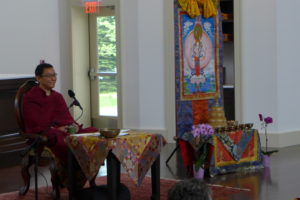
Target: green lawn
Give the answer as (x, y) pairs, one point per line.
(108, 104)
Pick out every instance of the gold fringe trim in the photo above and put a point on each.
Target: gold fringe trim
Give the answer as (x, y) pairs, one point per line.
(194, 8)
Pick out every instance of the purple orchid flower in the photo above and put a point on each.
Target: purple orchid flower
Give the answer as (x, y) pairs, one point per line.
(202, 130)
(260, 117)
(264, 125)
(268, 120)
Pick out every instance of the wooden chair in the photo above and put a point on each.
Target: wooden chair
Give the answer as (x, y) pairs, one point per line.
(36, 147)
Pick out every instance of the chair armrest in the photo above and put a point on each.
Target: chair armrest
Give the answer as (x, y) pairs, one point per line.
(34, 136)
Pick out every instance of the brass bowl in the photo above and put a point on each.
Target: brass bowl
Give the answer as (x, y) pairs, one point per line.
(242, 126)
(222, 129)
(109, 132)
(249, 125)
(229, 129)
(236, 127)
(217, 129)
(232, 123)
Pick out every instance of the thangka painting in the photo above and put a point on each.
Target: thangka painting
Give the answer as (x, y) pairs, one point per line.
(198, 50)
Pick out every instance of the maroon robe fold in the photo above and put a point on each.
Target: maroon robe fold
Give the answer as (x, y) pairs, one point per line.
(44, 114)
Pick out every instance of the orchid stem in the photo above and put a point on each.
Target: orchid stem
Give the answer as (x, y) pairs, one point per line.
(266, 139)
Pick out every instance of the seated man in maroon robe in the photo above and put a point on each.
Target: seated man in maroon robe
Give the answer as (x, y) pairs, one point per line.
(46, 112)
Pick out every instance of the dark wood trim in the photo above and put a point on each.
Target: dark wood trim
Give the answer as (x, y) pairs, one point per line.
(11, 143)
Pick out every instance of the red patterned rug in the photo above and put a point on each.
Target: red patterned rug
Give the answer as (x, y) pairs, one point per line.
(137, 193)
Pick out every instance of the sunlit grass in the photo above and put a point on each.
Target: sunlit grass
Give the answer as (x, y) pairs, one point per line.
(108, 104)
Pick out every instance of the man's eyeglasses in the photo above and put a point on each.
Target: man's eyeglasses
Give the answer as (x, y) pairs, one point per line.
(49, 75)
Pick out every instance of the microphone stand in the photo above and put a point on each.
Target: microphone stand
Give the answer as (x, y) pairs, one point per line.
(35, 144)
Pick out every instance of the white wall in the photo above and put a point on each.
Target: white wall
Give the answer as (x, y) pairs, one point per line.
(29, 32)
(65, 47)
(288, 70)
(142, 64)
(80, 62)
(151, 64)
(130, 64)
(258, 60)
(269, 61)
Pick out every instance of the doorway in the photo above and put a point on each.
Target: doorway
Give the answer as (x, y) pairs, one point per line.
(104, 72)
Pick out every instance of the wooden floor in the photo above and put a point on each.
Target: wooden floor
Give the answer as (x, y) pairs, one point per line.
(280, 182)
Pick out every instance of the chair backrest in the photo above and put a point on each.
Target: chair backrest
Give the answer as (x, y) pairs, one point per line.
(23, 89)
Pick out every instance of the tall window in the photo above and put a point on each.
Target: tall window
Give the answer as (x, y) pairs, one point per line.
(107, 65)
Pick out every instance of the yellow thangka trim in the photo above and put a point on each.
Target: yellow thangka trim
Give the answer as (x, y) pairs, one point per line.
(209, 7)
(191, 7)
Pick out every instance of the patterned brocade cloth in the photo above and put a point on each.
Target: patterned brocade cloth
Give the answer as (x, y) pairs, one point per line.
(232, 151)
(235, 151)
(136, 152)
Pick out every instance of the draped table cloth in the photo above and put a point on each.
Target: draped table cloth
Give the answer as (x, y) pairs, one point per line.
(136, 152)
(231, 151)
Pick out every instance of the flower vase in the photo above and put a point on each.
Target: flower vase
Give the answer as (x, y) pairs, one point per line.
(266, 161)
(267, 175)
(198, 174)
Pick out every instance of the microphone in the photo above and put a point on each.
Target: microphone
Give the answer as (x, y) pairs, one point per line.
(75, 102)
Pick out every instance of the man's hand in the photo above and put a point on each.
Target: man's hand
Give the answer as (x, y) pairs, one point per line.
(66, 128)
(63, 128)
(76, 127)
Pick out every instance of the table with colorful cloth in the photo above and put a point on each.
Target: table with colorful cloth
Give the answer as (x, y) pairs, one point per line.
(229, 151)
(136, 152)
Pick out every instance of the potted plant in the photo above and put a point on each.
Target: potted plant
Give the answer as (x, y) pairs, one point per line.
(264, 125)
(202, 138)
